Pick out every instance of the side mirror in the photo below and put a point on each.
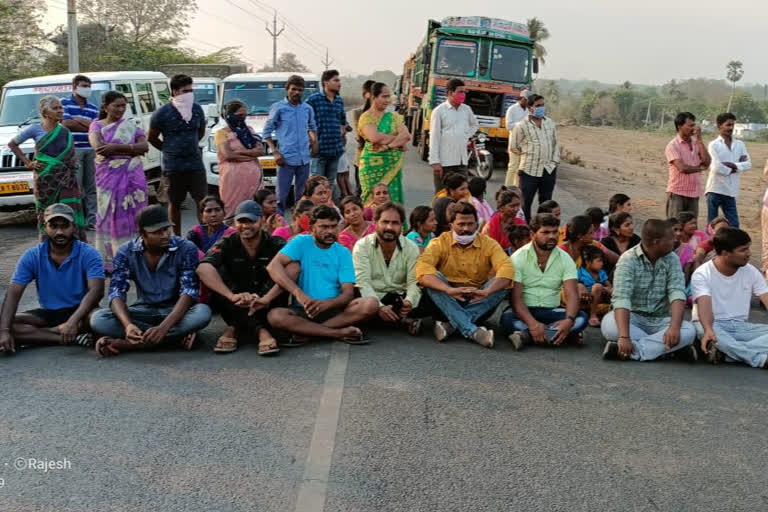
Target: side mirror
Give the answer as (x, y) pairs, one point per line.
(211, 110)
(535, 66)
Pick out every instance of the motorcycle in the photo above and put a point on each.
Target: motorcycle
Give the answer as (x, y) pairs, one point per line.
(480, 159)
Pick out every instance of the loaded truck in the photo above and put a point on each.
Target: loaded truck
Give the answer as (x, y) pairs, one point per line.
(493, 57)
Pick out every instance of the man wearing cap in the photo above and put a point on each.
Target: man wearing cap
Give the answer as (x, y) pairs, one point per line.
(235, 270)
(162, 267)
(516, 113)
(70, 283)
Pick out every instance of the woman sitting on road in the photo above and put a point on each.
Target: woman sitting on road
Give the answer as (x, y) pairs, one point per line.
(622, 236)
(357, 226)
(268, 202)
(299, 221)
(509, 203)
(211, 227)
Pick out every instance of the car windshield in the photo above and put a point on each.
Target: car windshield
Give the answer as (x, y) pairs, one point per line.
(456, 58)
(509, 64)
(20, 103)
(260, 96)
(205, 94)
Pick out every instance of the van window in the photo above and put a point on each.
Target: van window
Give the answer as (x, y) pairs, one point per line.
(163, 93)
(146, 99)
(128, 92)
(260, 96)
(20, 103)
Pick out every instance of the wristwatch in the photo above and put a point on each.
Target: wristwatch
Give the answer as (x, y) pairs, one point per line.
(572, 318)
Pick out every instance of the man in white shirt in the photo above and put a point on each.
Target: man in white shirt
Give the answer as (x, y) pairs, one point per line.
(516, 113)
(722, 289)
(451, 125)
(729, 158)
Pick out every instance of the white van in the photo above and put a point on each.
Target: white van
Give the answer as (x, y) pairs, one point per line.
(259, 91)
(207, 95)
(144, 90)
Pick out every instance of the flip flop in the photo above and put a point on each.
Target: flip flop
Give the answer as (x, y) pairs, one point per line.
(188, 341)
(295, 341)
(85, 339)
(269, 345)
(360, 339)
(225, 344)
(104, 347)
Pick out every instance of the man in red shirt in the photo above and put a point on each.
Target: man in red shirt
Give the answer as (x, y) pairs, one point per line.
(687, 156)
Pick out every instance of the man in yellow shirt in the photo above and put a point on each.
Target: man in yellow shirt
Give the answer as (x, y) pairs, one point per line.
(455, 271)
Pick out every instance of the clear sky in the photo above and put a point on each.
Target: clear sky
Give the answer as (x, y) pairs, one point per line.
(650, 42)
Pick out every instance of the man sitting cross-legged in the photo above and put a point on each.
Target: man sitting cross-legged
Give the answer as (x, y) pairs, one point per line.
(455, 271)
(542, 270)
(162, 267)
(70, 284)
(722, 289)
(235, 270)
(648, 301)
(384, 263)
(324, 305)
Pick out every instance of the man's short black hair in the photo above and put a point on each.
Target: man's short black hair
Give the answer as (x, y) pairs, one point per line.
(295, 80)
(461, 208)
(534, 98)
(516, 232)
(730, 239)
(724, 118)
(548, 206)
(389, 206)
(454, 180)
(178, 82)
(542, 220)
(323, 212)
(80, 78)
(655, 229)
(328, 75)
(453, 84)
(682, 118)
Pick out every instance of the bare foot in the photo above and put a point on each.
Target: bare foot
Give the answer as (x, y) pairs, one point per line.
(594, 321)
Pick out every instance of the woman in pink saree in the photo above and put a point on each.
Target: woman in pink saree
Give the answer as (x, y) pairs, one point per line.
(121, 188)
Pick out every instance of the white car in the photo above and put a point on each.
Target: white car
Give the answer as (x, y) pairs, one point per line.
(259, 91)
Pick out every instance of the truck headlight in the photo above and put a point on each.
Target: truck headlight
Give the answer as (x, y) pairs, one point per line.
(211, 144)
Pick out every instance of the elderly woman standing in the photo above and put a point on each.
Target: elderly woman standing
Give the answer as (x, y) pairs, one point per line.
(54, 164)
(121, 187)
(238, 149)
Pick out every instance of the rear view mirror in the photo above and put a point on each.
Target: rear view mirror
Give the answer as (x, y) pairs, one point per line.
(535, 66)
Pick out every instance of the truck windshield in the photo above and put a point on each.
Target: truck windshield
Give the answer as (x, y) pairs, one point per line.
(260, 96)
(509, 64)
(20, 103)
(456, 57)
(205, 94)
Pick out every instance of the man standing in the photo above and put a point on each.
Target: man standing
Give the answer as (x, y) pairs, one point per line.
(722, 289)
(648, 286)
(451, 125)
(331, 127)
(455, 271)
(162, 267)
(78, 114)
(324, 294)
(384, 263)
(235, 270)
(515, 113)
(534, 142)
(70, 283)
(687, 157)
(293, 122)
(542, 270)
(729, 158)
(181, 123)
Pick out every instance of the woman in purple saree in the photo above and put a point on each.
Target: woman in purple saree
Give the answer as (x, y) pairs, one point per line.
(121, 188)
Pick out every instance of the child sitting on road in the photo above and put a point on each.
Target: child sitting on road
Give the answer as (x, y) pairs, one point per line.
(597, 215)
(685, 253)
(423, 223)
(380, 195)
(595, 280)
(519, 235)
(477, 188)
(706, 249)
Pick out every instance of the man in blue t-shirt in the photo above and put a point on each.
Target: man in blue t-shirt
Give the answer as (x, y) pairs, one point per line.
(70, 283)
(320, 275)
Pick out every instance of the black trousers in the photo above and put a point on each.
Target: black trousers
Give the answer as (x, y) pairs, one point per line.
(544, 185)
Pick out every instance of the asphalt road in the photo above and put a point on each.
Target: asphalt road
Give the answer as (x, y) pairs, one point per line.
(403, 424)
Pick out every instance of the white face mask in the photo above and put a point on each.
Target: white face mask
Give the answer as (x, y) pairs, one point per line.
(464, 239)
(184, 103)
(83, 92)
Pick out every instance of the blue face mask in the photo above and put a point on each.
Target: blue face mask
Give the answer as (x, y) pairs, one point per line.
(540, 112)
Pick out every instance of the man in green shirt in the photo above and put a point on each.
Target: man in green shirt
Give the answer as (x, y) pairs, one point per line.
(541, 270)
(648, 301)
(384, 263)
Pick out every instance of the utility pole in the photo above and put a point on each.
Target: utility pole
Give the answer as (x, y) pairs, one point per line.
(74, 52)
(648, 115)
(327, 62)
(275, 34)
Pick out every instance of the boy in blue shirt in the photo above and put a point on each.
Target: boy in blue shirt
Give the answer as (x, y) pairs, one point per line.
(320, 275)
(70, 283)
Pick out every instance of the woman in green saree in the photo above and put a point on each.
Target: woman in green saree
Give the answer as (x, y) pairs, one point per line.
(54, 163)
(385, 137)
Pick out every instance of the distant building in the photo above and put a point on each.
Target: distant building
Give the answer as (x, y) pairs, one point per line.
(747, 130)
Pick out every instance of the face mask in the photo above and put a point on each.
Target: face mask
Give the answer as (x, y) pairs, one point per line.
(540, 112)
(83, 92)
(183, 103)
(464, 239)
(460, 97)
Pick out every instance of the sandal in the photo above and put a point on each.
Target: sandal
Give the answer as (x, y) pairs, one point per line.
(296, 341)
(188, 341)
(359, 339)
(225, 344)
(104, 347)
(268, 346)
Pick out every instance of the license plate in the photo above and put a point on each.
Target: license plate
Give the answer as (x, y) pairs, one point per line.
(268, 164)
(15, 187)
(480, 145)
(270, 181)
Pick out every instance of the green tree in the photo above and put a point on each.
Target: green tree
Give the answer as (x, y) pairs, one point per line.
(734, 73)
(142, 21)
(287, 62)
(550, 90)
(587, 103)
(746, 108)
(21, 38)
(624, 99)
(538, 34)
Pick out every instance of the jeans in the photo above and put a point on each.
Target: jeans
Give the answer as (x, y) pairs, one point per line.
(86, 180)
(740, 340)
(463, 315)
(530, 185)
(510, 323)
(327, 166)
(647, 335)
(717, 201)
(285, 177)
(105, 323)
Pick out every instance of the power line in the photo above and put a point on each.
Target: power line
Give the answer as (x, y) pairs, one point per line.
(246, 11)
(299, 31)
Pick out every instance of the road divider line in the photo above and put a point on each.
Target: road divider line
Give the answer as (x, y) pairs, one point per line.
(314, 485)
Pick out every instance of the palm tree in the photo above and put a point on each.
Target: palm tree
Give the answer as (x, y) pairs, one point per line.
(538, 34)
(735, 72)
